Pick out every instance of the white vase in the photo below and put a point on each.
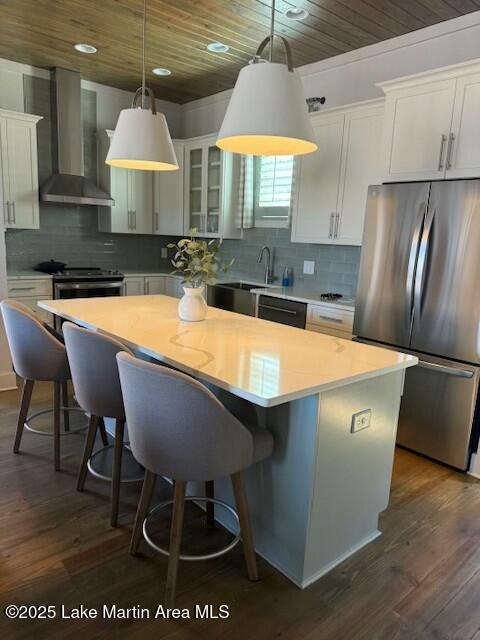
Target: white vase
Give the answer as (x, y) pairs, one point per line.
(192, 306)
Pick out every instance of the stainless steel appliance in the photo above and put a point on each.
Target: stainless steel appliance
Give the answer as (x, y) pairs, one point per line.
(86, 282)
(233, 296)
(284, 311)
(419, 292)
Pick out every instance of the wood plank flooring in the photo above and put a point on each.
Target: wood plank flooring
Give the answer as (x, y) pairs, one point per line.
(419, 581)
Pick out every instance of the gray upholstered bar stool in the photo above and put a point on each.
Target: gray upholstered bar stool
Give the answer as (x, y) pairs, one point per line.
(37, 355)
(180, 430)
(97, 389)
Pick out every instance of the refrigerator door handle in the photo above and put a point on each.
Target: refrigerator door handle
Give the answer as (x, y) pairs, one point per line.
(412, 261)
(421, 264)
(441, 368)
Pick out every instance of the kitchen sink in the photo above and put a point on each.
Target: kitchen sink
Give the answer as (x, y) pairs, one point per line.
(244, 286)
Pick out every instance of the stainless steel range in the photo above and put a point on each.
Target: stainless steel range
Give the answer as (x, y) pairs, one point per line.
(86, 282)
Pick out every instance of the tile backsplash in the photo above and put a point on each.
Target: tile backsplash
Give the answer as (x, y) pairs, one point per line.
(69, 233)
(336, 267)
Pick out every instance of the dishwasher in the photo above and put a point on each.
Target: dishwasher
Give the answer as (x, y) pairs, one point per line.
(283, 311)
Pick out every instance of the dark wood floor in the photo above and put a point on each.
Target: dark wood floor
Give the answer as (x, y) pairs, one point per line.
(419, 581)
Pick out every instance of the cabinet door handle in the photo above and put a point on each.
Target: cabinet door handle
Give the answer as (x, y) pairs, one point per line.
(14, 213)
(330, 231)
(337, 221)
(6, 215)
(134, 218)
(128, 220)
(147, 287)
(451, 140)
(156, 220)
(442, 148)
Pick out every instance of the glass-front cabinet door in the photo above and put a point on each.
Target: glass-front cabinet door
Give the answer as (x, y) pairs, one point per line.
(214, 189)
(204, 189)
(196, 212)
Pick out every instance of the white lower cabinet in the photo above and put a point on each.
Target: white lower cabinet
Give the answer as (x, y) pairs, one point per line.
(332, 183)
(29, 292)
(333, 321)
(133, 286)
(155, 285)
(152, 285)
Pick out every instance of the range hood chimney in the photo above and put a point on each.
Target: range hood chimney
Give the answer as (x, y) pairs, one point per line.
(69, 185)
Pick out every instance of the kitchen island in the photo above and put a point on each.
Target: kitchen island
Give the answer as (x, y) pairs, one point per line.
(331, 404)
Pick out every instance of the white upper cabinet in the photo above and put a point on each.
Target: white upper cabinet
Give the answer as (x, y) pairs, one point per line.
(431, 125)
(463, 160)
(19, 169)
(318, 182)
(332, 183)
(211, 189)
(132, 192)
(168, 197)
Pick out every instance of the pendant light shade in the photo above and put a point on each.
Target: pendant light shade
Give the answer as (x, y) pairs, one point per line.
(267, 114)
(141, 139)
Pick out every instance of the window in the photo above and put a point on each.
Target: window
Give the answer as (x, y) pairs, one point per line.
(273, 190)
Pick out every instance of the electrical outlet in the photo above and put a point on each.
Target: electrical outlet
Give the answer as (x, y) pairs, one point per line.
(309, 267)
(361, 420)
(163, 252)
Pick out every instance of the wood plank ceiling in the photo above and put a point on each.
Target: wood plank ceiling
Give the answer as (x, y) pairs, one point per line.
(42, 33)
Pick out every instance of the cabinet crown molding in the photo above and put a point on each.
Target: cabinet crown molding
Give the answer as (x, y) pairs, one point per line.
(19, 115)
(433, 75)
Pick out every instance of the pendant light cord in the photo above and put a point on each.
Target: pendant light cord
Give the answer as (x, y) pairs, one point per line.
(272, 31)
(144, 30)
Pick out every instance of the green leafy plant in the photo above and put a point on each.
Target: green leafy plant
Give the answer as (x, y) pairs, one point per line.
(197, 260)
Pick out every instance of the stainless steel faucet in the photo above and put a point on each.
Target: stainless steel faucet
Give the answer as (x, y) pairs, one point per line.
(268, 279)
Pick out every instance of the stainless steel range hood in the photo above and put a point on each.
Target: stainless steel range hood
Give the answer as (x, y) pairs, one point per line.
(69, 185)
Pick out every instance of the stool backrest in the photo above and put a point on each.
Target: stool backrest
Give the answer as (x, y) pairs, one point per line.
(92, 357)
(176, 425)
(36, 353)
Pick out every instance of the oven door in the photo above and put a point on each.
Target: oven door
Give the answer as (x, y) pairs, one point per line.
(68, 290)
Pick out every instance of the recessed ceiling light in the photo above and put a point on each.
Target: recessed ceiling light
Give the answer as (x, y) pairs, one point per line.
(85, 48)
(296, 13)
(160, 71)
(217, 47)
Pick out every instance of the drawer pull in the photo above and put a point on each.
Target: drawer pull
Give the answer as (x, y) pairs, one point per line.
(22, 288)
(328, 319)
(267, 306)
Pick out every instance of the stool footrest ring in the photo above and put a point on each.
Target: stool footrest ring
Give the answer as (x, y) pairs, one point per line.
(207, 556)
(39, 432)
(102, 476)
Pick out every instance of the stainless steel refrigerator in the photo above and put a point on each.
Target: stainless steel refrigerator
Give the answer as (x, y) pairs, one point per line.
(419, 292)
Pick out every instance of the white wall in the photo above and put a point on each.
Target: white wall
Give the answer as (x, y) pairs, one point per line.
(351, 77)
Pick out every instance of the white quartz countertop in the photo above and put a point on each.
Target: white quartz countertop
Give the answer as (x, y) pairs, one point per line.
(28, 274)
(261, 361)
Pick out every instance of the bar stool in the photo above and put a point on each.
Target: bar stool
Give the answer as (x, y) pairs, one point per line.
(37, 355)
(179, 429)
(97, 389)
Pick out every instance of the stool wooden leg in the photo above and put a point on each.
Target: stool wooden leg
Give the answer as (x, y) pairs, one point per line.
(142, 510)
(210, 506)
(175, 541)
(117, 470)
(23, 412)
(66, 415)
(103, 432)
(56, 425)
(245, 527)
(87, 452)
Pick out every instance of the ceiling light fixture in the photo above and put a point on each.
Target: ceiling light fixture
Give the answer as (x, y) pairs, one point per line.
(142, 140)
(296, 13)
(161, 71)
(267, 114)
(85, 48)
(217, 47)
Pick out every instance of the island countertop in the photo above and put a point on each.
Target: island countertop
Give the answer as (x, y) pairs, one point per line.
(264, 362)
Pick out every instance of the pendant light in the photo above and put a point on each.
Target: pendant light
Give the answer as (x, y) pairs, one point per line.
(267, 114)
(142, 139)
